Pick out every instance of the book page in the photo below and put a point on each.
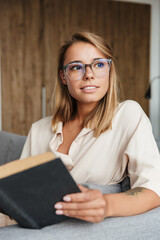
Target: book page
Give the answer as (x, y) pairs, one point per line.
(24, 164)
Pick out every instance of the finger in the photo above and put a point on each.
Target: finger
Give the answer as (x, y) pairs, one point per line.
(82, 188)
(89, 219)
(83, 196)
(84, 218)
(82, 213)
(97, 203)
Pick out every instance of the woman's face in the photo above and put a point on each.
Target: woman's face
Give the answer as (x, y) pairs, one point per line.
(88, 89)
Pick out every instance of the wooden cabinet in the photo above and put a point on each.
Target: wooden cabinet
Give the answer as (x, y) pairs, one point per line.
(31, 32)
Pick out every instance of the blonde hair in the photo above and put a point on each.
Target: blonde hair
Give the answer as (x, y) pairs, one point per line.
(64, 105)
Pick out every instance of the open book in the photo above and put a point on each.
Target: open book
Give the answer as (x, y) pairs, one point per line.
(30, 187)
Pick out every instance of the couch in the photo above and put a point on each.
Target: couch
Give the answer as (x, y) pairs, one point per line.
(143, 226)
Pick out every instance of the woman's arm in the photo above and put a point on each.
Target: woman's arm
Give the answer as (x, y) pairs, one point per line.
(132, 202)
(93, 206)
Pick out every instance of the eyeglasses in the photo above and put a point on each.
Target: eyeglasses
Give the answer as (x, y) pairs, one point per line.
(76, 70)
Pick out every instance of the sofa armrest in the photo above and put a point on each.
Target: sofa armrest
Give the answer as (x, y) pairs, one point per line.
(11, 146)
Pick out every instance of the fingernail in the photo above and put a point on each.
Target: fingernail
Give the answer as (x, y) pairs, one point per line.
(59, 212)
(58, 206)
(67, 199)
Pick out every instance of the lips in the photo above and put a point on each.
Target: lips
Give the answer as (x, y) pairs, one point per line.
(89, 87)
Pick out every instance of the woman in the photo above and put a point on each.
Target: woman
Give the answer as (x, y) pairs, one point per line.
(99, 139)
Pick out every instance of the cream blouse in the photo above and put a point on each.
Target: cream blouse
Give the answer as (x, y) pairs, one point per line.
(128, 148)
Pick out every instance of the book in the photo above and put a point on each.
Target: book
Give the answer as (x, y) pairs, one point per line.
(30, 187)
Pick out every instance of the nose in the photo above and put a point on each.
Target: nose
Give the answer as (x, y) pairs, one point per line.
(88, 73)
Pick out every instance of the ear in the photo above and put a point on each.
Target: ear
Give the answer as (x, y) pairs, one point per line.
(63, 78)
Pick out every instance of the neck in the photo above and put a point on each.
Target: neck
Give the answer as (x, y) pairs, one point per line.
(83, 110)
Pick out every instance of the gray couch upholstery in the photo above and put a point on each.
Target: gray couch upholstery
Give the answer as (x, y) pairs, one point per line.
(10, 146)
(144, 226)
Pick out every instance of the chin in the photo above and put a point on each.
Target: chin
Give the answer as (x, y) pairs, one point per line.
(89, 101)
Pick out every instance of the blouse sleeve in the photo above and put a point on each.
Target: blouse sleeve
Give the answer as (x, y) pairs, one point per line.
(26, 152)
(143, 156)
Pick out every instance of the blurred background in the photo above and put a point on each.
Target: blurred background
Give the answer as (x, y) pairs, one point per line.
(31, 32)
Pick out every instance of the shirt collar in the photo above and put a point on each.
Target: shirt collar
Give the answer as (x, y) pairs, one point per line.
(59, 129)
(84, 132)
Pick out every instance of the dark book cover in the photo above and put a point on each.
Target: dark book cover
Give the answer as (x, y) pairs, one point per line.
(28, 196)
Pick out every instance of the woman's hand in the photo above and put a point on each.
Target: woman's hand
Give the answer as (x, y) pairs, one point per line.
(93, 206)
(89, 205)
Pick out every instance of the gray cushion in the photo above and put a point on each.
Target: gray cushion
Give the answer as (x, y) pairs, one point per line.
(11, 146)
(143, 226)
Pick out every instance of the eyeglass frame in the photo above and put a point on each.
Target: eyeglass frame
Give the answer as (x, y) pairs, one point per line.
(87, 65)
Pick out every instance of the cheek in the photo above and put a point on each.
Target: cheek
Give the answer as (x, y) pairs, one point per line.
(105, 85)
(72, 86)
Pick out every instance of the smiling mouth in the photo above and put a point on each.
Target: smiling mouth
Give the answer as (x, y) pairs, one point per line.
(89, 87)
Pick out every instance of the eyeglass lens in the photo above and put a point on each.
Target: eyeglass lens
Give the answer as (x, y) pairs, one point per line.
(76, 71)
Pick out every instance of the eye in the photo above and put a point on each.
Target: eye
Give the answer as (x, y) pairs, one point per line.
(99, 65)
(75, 67)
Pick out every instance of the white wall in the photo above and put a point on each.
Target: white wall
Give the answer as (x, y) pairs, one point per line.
(155, 69)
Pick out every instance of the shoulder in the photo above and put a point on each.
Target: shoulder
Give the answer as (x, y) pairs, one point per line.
(130, 114)
(130, 106)
(44, 122)
(42, 126)
(130, 109)
(38, 137)
(41, 129)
